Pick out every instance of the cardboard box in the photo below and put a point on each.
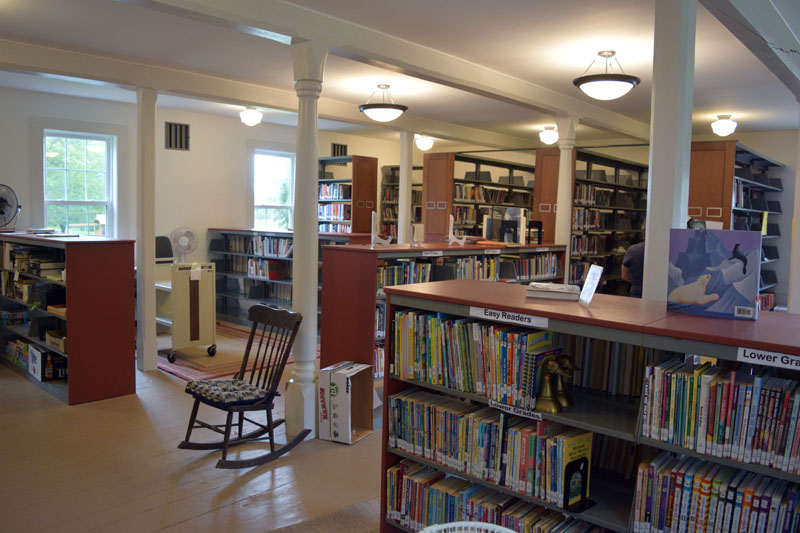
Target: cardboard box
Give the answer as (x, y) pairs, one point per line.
(46, 366)
(345, 395)
(56, 338)
(58, 309)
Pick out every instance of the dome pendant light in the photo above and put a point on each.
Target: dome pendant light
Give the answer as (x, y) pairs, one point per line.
(723, 126)
(423, 142)
(548, 135)
(386, 110)
(606, 86)
(251, 117)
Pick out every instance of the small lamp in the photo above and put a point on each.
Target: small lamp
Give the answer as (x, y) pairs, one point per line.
(548, 135)
(386, 110)
(723, 126)
(251, 117)
(423, 142)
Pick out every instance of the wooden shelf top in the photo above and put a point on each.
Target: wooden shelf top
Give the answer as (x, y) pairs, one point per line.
(444, 247)
(286, 234)
(59, 242)
(772, 331)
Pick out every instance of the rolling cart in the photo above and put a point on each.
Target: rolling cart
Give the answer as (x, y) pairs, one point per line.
(186, 303)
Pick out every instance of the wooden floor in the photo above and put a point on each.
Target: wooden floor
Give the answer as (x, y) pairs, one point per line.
(113, 465)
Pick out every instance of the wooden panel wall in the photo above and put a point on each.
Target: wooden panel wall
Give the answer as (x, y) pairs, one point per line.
(437, 194)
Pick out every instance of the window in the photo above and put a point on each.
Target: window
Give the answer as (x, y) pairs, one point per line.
(79, 180)
(273, 190)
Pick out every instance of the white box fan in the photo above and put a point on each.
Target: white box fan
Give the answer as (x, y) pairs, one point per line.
(184, 241)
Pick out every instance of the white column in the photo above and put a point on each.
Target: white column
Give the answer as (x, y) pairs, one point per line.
(146, 346)
(566, 144)
(670, 136)
(404, 191)
(301, 399)
(794, 265)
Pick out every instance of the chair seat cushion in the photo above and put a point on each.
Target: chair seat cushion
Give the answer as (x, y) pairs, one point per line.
(225, 392)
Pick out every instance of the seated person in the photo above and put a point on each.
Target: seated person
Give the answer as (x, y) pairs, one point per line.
(633, 267)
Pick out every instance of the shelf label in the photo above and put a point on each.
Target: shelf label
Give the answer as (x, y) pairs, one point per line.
(492, 252)
(509, 318)
(763, 357)
(510, 409)
(432, 253)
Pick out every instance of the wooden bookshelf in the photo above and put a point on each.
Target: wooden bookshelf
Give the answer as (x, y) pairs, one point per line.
(609, 205)
(238, 289)
(353, 213)
(100, 327)
(389, 205)
(350, 296)
(731, 184)
(639, 322)
(446, 180)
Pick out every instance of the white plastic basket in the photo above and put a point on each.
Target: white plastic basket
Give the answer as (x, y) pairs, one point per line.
(466, 527)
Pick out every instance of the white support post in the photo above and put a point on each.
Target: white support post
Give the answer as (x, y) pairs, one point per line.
(794, 265)
(301, 399)
(404, 188)
(146, 345)
(670, 136)
(566, 144)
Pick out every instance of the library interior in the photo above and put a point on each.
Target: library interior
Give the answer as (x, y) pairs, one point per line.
(311, 266)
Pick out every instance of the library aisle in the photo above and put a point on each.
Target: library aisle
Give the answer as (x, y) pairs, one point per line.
(113, 465)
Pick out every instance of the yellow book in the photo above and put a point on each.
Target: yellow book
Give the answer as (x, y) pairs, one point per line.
(575, 465)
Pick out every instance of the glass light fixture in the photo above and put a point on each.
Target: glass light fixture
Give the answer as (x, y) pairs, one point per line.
(423, 142)
(606, 86)
(386, 110)
(548, 135)
(723, 126)
(251, 117)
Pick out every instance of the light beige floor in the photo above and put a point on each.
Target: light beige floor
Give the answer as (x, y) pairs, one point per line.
(113, 465)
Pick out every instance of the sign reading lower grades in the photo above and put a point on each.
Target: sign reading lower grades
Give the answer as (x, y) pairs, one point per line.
(509, 318)
(763, 357)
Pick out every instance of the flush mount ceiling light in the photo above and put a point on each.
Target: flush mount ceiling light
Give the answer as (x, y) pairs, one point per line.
(386, 110)
(548, 135)
(606, 86)
(723, 126)
(423, 142)
(251, 117)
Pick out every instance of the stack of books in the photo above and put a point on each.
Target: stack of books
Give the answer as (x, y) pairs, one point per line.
(558, 291)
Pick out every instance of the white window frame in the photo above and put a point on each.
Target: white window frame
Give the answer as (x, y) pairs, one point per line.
(40, 127)
(111, 175)
(276, 149)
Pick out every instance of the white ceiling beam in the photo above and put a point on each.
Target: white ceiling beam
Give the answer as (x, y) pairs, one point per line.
(364, 44)
(770, 30)
(32, 58)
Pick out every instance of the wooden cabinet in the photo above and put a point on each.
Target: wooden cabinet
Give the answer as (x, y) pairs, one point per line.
(711, 176)
(99, 319)
(348, 189)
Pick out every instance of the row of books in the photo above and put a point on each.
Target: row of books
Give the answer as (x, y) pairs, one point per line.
(766, 301)
(588, 194)
(31, 259)
(389, 194)
(266, 268)
(545, 265)
(464, 214)
(683, 494)
(389, 229)
(477, 267)
(389, 213)
(611, 367)
(334, 211)
(380, 320)
(333, 228)
(583, 218)
(498, 361)
(403, 273)
(728, 413)
(258, 245)
(335, 191)
(257, 289)
(577, 271)
(378, 352)
(540, 459)
(420, 496)
(586, 244)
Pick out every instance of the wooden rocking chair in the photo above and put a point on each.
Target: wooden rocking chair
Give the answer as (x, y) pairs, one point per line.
(271, 338)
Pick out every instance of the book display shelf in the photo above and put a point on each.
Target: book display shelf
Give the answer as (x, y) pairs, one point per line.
(347, 193)
(470, 187)
(255, 267)
(354, 303)
(72, 336)
(731, 184)
(609, 207)
(390, 188)
(632, 337)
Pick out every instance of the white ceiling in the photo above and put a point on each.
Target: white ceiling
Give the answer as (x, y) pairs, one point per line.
(548, 43)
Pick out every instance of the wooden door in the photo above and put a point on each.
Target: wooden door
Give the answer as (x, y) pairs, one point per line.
(545, 191)
(437, 194)
(711, 181)
(365, 193)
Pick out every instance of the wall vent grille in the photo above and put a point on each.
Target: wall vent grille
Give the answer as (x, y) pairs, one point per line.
(176, 136)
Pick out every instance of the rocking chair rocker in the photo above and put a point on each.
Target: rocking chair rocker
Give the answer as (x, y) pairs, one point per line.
(271, 338)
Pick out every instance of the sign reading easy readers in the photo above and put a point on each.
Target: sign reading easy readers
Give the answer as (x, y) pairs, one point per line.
(762, 357)
(510, 318)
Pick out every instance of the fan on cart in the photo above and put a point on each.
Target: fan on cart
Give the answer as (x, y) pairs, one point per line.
(184, 241)
(9, 208)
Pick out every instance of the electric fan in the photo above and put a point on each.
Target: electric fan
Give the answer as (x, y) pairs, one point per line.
(184, 241)
(9, 207)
